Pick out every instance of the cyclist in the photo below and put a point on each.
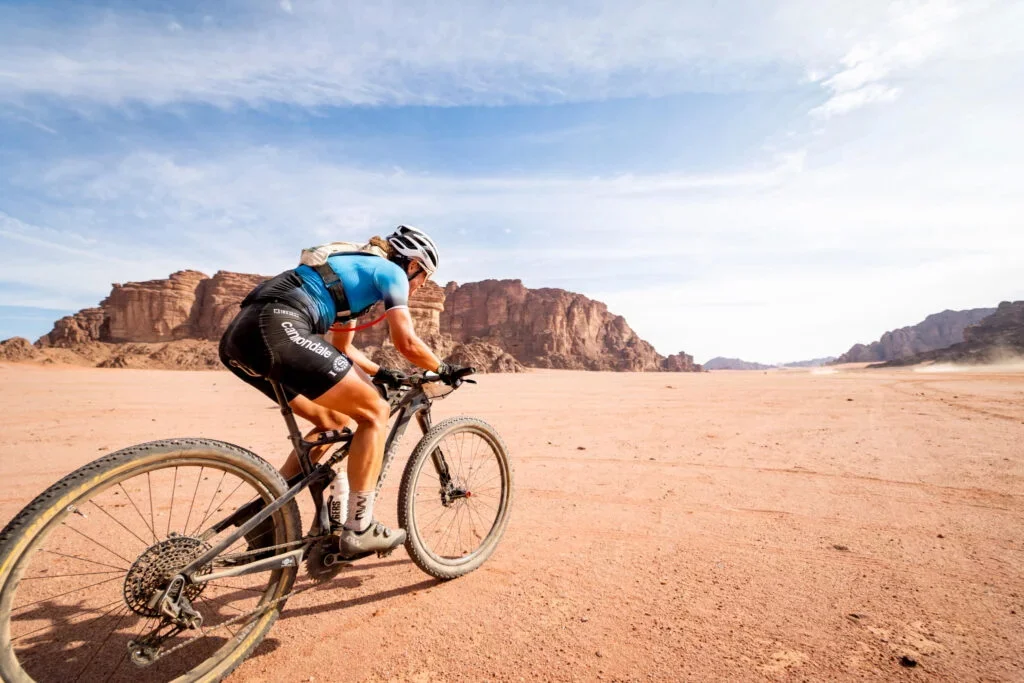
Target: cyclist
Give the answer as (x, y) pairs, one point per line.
(297, 330)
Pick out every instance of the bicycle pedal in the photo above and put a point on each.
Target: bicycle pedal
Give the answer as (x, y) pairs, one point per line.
(385, 553)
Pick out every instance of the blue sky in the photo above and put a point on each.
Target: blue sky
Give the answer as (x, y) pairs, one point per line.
(774, 181)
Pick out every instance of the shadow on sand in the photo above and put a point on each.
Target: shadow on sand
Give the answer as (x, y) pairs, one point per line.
(74, 642)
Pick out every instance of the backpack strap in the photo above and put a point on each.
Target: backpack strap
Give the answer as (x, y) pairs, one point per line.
(336, 289)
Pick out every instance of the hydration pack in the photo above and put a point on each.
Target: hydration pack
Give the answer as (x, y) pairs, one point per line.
(317, 256)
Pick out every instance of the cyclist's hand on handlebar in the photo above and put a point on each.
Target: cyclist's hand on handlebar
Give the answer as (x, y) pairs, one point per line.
(390, 378)
(453, 375)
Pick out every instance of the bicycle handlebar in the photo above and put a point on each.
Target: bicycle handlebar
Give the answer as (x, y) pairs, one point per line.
(427, 376)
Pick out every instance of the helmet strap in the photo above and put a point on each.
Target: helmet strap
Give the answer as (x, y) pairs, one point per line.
(419, 269)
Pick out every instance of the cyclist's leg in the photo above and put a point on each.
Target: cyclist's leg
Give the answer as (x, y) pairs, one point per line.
(359, 399)
(323, 419)
(362, 534)
(315, 369)
(243, 350)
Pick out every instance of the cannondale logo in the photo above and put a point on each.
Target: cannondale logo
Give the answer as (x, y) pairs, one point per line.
(314, 346)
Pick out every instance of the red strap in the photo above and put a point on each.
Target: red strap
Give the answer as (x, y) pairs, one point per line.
(338, 327)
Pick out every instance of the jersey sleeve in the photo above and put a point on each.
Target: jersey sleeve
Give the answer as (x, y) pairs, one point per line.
(393, 286)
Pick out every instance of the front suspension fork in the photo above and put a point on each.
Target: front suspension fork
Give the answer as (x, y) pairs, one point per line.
(436, 455)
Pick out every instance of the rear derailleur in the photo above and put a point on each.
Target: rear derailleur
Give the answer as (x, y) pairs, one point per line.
(176, 615)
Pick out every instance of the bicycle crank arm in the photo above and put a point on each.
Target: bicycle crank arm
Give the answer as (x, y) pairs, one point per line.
(289, 559)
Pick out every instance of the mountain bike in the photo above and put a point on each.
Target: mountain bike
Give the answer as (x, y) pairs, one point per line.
(171, 560)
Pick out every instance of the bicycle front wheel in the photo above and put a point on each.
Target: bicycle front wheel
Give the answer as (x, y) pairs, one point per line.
(79, 567)
(455, 497)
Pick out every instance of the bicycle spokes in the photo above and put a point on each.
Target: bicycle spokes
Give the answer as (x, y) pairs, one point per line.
(99, 580)
(458, 497)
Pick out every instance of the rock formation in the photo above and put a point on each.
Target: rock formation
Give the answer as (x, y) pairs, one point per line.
(187, 305)
(217, 300)
(813, 363)
(499, 326)
(997, 337)
(16, 350)
(152, 311)
(548, 328)
(721, 363)
(680, 362)
(74, 330)
(484, 357)
(937, 331)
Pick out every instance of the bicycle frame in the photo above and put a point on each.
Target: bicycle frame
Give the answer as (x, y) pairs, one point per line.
(413, 402)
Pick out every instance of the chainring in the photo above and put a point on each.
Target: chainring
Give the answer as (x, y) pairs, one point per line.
(156, 566)
(321, 552)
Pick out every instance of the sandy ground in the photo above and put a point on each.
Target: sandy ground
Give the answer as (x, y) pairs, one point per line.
(727, 526)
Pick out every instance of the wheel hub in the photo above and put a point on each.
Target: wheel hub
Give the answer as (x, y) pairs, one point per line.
(156, 566)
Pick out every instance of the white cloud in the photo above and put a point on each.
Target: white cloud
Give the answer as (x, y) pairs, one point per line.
(469, 53)
(845, 102)
(881, 215)
(914, 35)
(813, 256)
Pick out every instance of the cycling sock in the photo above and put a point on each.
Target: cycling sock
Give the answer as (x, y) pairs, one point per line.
(360, 510)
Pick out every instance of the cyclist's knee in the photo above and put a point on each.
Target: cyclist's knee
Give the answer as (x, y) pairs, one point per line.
(321, 416)
(375, 412)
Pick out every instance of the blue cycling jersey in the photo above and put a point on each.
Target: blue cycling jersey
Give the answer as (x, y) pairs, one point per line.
(366, 278)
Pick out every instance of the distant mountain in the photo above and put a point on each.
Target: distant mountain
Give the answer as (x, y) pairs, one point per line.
(997, 337)
(937, 331)
(813, 363)
(720, 363)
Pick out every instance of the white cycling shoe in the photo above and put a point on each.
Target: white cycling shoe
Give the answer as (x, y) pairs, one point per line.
(376, 539)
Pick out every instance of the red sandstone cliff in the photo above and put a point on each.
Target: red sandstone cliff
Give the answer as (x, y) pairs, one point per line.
(81, 328)
(501, 325)
(549, 328)
(187, 305)
(217, 300)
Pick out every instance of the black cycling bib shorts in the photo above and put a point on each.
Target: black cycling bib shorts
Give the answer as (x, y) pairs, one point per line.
(276, 340)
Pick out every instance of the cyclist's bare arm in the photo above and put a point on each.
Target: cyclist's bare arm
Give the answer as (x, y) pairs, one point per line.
(405, 339)
(342, 340)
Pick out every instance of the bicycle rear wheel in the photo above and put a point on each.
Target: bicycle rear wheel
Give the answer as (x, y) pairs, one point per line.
(455, 497)
(80, 564)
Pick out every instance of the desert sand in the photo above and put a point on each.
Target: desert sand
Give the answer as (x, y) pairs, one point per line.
(796, 525)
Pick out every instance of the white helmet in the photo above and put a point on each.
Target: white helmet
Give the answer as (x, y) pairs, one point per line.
(416, 245)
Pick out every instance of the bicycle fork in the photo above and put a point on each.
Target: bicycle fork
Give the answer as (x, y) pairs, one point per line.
(448, 490)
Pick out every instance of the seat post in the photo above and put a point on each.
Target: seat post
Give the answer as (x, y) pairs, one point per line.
(301, 447)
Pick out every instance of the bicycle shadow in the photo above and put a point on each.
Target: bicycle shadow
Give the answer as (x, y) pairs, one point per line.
(354, 581)
(99, 643)
(96, 646)
(361, 600)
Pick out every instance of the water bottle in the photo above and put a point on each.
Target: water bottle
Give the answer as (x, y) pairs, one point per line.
(337, 495)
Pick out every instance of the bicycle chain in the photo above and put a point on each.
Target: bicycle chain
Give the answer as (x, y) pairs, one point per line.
(263, 549)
